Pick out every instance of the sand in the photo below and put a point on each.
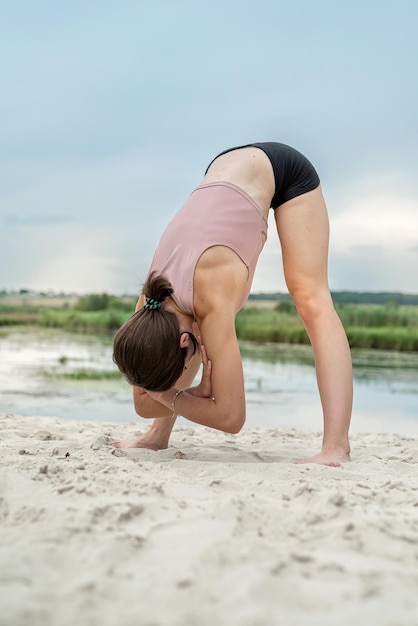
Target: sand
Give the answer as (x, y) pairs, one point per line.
(216, 530)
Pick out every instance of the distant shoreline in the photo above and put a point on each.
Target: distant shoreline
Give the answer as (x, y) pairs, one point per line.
(349, 297)
(344, 296)
(388, 325)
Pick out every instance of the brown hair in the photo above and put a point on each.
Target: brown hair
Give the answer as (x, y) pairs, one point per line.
(146, 348)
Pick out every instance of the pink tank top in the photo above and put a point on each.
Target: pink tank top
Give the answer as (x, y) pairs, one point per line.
(215, 214)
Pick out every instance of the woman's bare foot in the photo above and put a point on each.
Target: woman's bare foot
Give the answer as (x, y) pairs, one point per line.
(138, 442)
(156, 438)
(144, 441)
(332, 458)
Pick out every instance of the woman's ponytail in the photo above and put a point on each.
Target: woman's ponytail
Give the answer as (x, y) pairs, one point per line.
(147, 348)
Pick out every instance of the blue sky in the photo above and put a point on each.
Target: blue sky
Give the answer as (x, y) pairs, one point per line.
(111, 111)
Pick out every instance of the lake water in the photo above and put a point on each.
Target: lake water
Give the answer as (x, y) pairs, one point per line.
(280, 384)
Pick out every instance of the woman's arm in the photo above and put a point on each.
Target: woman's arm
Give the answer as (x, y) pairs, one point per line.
(147, 406)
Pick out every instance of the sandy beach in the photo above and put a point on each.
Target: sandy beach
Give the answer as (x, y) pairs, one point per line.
(216, 530)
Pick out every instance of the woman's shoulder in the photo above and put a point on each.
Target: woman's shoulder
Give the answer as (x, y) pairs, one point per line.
(219, 282)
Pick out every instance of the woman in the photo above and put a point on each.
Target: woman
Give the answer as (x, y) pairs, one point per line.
(201, 276)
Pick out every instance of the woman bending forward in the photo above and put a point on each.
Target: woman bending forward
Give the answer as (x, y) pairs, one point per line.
(201, 277)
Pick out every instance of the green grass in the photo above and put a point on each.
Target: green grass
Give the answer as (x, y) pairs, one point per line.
(378, 327)
(377, 316)
(84, 321)
(253, 324)
(372, 326)
(85, 374)
(401, 339)
(93, 313)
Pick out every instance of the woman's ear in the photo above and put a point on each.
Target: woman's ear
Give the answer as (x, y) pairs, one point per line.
(184, 340)
(189, 341)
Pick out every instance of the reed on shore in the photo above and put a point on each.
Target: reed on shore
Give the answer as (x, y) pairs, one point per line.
(381, 327)
(387, 326)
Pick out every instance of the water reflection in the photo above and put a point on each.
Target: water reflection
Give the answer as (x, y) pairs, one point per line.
(280, 384)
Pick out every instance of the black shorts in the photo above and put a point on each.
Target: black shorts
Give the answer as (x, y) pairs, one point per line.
(293, 173)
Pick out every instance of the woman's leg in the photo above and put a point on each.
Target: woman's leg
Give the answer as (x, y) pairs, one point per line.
(303, 228)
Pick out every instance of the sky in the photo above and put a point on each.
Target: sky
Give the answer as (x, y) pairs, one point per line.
(111, 111)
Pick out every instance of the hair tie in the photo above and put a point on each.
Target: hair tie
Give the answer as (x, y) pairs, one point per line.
(151, 304)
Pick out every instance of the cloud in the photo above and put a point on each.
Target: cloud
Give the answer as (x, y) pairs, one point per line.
(386, 222)
(109, 121)
(36, 220)
(374, 270)
(80, 273)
